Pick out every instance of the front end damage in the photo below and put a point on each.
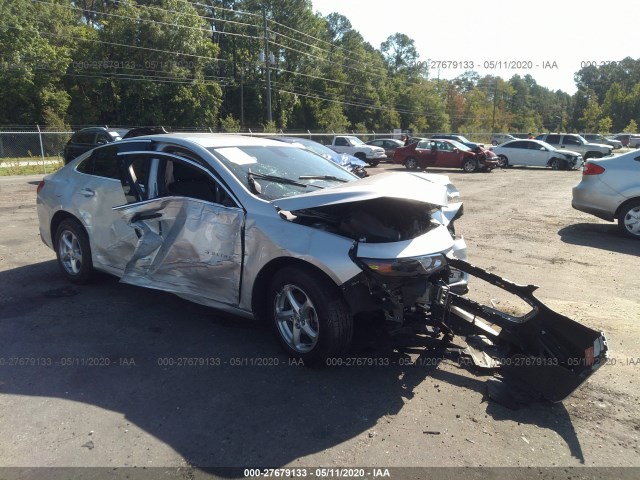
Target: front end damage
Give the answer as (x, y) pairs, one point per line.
(413, 269)
(540, 354)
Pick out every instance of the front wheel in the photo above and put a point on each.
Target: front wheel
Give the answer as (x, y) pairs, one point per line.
(469, 165)
(373, 163)
(73, 251)
(555, 164)
(629, 219)
(309, 316)
(503, 162)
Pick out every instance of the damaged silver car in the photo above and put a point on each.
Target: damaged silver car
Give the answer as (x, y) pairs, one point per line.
(266, 230)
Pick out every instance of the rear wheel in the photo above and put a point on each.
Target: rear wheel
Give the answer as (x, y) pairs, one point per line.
(73, 251)
(411, 163)
(629, 219)
(469, 165)
(503, 162)
(309, 316)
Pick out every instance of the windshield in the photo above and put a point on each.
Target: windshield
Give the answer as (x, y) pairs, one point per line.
(356, 141)
(272, 172)
(460, 146)
(316, 147)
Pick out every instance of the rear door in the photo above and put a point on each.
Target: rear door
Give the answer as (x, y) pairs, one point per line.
(98, 190)
(189, 229)
(426, 153)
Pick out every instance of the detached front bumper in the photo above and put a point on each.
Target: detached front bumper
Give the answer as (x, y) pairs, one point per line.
(549, 353)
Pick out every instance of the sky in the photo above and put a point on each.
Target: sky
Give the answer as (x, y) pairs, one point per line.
(547, 39)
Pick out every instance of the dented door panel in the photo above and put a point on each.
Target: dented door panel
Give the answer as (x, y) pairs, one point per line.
(186, 246)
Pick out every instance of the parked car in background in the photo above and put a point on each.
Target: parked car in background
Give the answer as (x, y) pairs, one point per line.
(458, 138)
(576, 143)
(498, 138)
(536, 153)
(389, 145)
(349, 162)
(597, 138)
(352, 145)
(627, 139)
(141, 131)
(84, 140)
(610, 189)
(429, 153)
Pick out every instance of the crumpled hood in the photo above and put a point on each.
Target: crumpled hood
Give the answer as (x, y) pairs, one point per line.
(425, 188)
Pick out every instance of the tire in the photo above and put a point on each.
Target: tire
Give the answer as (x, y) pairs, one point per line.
(411, 163)
(309, 316)
(469, 165)
(361, 156)
(503, 162)
(373, 163)
(555, 164)
(629, 219)
(74, 251)
(494, 143)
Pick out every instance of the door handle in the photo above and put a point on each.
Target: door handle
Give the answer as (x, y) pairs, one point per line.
(87, 192)
(144, 216)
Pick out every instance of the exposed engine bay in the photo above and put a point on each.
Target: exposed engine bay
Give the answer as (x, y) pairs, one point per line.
(379, 220)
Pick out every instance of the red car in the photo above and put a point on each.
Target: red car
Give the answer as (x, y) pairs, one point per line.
(445, 154)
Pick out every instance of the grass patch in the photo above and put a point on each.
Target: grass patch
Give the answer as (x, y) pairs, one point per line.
(29, 165)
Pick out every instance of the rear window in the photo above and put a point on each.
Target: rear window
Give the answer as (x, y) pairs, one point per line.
(101, 163)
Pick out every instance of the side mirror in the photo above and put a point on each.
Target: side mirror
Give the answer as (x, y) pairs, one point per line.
(455, 150)
(101, 142)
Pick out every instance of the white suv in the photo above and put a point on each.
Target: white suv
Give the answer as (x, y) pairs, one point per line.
(576, 143)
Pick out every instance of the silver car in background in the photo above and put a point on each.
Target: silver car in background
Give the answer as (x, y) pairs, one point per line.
(610, 189)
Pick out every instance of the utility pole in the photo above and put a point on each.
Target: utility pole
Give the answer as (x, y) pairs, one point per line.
(266, 61)
(495, 100)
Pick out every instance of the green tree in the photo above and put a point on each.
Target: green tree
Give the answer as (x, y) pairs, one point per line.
(33, 61)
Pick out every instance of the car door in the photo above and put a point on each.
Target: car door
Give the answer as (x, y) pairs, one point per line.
(189, 229)
(536, 155)
(445, 155)
(426, 154)
(99, 190)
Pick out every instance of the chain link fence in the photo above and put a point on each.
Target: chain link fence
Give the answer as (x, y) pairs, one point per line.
(24, 149)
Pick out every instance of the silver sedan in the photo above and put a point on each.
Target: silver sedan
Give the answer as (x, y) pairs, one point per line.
(256, 227)
(610, 189)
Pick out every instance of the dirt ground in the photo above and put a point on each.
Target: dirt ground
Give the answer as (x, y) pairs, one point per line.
(86, 378)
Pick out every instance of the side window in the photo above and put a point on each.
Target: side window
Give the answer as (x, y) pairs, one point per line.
(136, 184)
(518, 145)
(341, 142)
(103, 138)
(568, 140)
(553, 139)
(85, 137)
(184, 180)
(101, 163)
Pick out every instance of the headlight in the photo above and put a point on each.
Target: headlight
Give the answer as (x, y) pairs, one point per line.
(406, 267)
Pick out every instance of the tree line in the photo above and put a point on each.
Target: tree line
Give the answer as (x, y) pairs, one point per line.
(198, 63)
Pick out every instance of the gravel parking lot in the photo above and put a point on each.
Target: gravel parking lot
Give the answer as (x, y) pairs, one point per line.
(110, 375)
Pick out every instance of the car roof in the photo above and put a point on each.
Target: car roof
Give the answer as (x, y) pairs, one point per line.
(211, 140)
